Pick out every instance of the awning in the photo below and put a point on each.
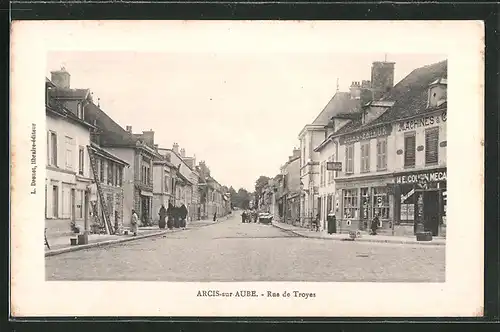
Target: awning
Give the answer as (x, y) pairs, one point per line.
(146, 193)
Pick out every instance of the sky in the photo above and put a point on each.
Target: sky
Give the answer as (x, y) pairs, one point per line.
(239, 112)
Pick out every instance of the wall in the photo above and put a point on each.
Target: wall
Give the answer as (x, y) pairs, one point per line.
(128, 155)
(65, 179)
(399, 135)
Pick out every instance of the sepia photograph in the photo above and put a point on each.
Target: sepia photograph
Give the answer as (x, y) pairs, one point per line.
(219, 169)
(357, 194)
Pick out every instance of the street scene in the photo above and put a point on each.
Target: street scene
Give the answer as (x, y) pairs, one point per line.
(155, 175)
(234, 251)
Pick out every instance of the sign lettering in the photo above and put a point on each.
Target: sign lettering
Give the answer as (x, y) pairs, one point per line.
(421, 178)
(367, 134)
(422, 122)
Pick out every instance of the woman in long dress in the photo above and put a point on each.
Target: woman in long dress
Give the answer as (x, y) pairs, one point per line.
(135, 223)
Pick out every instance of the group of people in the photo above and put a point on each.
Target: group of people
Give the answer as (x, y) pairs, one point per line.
(173, 216)
(249, 216)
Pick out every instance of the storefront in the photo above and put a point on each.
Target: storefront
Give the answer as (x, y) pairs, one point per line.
(358, 201)
(421, 200)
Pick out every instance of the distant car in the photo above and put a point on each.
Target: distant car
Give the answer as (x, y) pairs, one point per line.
(265, 218)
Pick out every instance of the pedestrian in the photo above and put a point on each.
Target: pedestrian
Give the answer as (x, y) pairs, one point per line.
(243, 216)
(183, 212)
(374, 225)
(215, 216)
(170, 216)
(134, 222)
(176, 217)
(162, 213)
(332, 223)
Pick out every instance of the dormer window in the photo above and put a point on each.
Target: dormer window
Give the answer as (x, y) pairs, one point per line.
(437, 93)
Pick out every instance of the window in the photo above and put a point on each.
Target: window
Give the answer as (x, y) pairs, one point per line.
(117, 175)
(431, 145)
(110, 173)
(381, 153)
(380, 202)
(69, 152)
(79, 203)
(322, 174)
(365, 156)
(410, 150)
(349, 159)
(81, 157)
(167, 183)
(350, 206)
(101, 171)
(53, 149)
(55, 201)
(120, 176)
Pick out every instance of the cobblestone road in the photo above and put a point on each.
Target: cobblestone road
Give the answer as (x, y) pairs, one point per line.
(232, 251)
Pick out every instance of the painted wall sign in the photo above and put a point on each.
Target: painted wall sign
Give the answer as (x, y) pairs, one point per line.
(424, 121)
(429, 176)
(384, 130)
(420, 148)
(333, 166)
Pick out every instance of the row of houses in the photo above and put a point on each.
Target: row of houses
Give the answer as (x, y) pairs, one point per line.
(377, 150)
(86, 148)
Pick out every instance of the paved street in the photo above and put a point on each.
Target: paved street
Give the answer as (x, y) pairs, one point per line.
(232, 251)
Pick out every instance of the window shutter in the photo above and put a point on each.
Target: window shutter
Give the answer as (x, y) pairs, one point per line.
(431, 145)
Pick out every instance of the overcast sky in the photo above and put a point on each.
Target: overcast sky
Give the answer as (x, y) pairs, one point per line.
(241, 113)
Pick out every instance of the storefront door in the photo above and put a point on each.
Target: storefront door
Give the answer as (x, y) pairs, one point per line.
(432, 211)
(145, 209)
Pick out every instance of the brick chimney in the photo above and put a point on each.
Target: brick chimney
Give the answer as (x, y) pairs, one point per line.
(149, 137)
(296, 152)
(355, 90)
(183, 153)
(382, 78)
(175, 148)
(61, 78)
(129, 129)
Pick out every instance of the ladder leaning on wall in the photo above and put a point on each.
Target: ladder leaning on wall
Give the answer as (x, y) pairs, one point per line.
(107, 221)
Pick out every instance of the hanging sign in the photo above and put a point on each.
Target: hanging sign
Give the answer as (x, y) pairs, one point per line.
(334, 166)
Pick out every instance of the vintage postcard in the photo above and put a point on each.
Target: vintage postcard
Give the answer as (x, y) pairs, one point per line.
(230, 168)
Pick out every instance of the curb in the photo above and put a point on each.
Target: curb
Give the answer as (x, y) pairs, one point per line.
(360, 240)
(110, 242)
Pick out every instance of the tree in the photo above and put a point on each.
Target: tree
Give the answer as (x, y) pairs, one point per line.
(261, 182)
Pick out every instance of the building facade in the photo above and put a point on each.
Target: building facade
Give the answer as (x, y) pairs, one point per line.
(164, 178)
(393, 159)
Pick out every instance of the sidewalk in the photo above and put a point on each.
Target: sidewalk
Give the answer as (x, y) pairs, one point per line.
(437, 241)
(59, 245)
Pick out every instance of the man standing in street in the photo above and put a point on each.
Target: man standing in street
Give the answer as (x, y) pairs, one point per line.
(183, 212)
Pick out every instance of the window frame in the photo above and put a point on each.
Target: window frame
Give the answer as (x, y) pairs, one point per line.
(364, 156)
(413, 135)
(381, 166)
(53, 148)
(81, 160)
(435, 130)
(349, 161)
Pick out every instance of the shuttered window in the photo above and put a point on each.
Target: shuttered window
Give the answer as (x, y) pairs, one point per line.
(431, 146)
(349, 159)
(365, 156)
(410, 150)
(381, 153)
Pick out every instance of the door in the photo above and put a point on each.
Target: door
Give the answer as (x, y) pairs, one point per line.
(55, 201)
(431, 212)
(73, 205)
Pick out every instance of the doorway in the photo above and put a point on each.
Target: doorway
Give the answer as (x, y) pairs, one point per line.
(73, 205)
(145, 210)
(431, 212)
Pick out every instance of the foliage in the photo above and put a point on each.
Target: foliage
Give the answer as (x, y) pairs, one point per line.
(261, 182)
(240, 199)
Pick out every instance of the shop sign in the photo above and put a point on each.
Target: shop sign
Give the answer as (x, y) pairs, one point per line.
(424, 121)
(384, 130)
(334, 166)
(431, 176)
